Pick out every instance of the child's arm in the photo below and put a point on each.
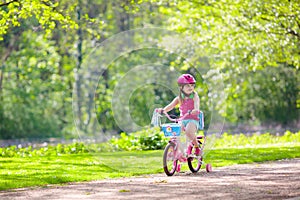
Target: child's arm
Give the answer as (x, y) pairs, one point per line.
(196, 104)
(171, 105)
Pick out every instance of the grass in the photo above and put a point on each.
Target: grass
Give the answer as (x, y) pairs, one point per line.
(17, 172)
(37, 171)
(231, 156)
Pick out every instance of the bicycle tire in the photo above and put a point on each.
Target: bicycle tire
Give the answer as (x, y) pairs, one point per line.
(195, 163)
(169, 159)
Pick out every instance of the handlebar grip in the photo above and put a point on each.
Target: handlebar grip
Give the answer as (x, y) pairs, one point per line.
(160, 112)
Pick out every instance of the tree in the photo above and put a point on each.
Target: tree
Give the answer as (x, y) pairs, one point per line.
(70, 29)
(240, 37)
(48, 14)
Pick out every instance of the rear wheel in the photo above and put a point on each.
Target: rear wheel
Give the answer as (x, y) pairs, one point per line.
(169, 159)
(195, 163)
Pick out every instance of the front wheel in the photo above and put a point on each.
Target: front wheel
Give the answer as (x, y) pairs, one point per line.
(169, 159)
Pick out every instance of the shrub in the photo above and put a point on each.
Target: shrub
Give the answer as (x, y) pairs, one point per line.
(148, 139)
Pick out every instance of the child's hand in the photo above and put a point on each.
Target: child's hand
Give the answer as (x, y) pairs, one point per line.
(160, 110)
(194, 112)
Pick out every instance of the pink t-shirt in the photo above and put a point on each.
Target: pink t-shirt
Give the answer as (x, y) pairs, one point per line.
(186, 106)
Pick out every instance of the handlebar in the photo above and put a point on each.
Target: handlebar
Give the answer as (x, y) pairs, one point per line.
(175, 119)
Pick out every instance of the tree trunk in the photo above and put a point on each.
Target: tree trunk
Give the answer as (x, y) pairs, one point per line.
(78, 78)
(1, 80)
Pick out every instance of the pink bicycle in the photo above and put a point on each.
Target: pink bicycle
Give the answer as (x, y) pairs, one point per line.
(173, 153)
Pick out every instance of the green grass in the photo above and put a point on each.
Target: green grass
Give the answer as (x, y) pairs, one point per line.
(37, 171)
(231, 156)
(17, 172)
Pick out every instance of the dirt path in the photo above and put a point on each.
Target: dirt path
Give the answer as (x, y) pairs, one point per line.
(272, 180)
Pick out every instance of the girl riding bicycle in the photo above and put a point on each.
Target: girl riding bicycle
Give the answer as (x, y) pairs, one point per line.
(189, 103)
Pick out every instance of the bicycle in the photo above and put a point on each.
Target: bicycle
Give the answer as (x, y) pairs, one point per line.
(172, 153)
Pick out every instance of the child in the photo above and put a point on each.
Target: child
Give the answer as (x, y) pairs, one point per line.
(189, 102)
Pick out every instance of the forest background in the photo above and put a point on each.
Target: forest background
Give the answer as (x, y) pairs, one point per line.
(251, 47)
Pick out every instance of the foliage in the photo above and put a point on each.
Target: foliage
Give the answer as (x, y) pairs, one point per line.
(257, 140)
(268, 95)
(250, 34)
(47, 13)
(241, 38)
(149, 139)
(32, 97)
(146, 92)
(54, 150)
(251, 47)
(73, 29)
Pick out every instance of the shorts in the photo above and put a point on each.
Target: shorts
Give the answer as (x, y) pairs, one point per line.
(186, 121)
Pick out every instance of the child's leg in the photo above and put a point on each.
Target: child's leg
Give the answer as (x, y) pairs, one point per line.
(190, 132)
(182, 141)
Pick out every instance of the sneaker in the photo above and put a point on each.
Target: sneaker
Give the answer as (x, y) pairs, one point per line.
(197, 151)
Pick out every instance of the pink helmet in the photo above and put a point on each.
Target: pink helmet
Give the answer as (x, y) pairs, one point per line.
(186, 79)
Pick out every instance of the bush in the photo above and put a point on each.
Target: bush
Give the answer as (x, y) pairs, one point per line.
(148, 139)
(241, 140)
(57, 150)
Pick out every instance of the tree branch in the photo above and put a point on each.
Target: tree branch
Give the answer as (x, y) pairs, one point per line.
(6, 4)
(289, 31)
(294, 33)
